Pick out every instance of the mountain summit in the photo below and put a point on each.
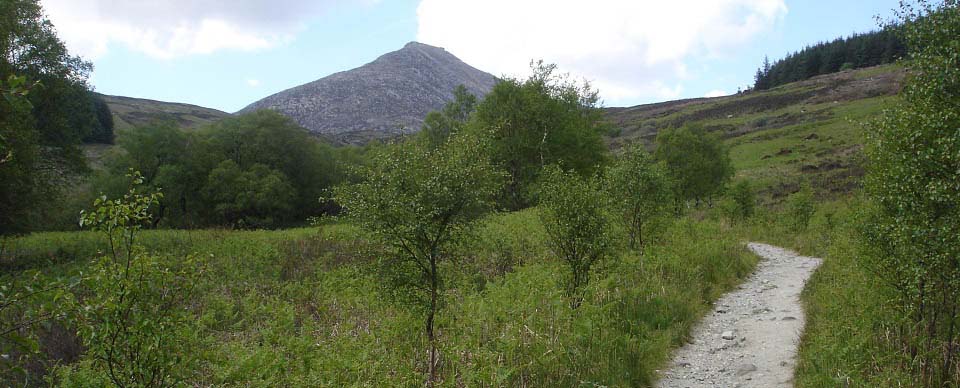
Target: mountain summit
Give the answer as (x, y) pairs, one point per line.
(381, 98)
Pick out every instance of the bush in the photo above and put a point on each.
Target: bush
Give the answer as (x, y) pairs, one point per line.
(800, 208)
(639, 189)
(134, 309)
(912, 230)
(420, 202)
(574, 214)
(743, 201)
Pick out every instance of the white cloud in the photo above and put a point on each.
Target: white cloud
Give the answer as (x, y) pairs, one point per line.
(716, 93)
(629, 49)
(168, 29)
(251, 82)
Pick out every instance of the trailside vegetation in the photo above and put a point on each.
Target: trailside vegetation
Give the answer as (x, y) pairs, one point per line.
(882, 310)
(912, 229)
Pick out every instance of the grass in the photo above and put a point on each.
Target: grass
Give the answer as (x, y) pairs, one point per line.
(306, 306)
(849, 336)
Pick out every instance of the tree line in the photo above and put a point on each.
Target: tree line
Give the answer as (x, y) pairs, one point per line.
(48, 110)
(259, 170)
(852, 52)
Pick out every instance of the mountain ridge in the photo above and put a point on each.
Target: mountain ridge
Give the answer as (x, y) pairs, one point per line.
(132, 112)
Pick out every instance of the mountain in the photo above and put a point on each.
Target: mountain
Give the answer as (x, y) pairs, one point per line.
(131, 112)
(380, 99)
(807, 131)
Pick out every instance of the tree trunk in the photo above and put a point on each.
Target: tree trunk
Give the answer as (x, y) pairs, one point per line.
(434, 285)
(948, 361)
(640, 234)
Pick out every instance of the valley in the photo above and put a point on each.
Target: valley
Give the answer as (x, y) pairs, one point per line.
(418, 221)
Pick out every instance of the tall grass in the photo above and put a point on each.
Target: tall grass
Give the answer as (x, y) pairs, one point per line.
(305, 306)
(850, 339)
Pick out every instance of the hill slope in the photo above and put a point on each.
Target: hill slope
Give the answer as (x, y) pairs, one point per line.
(803, 131)
(131, 112)
(395, 91)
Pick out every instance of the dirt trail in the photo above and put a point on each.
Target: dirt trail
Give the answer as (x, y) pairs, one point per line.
(750, 338)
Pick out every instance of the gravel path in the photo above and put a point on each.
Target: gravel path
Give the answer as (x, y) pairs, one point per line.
(750, 338)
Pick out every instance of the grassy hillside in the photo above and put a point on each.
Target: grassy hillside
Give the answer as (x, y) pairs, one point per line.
(131, 112)
(806, 130)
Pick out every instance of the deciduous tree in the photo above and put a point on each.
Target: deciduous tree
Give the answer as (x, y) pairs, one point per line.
(540, 121)
(912, 234)
(574, 213)
(640, 190)
(698, 163)
(420, 202)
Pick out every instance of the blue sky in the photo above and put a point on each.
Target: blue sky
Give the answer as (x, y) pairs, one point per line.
(225, 57)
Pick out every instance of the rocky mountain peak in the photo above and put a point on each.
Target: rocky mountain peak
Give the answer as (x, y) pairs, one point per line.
(391, 94)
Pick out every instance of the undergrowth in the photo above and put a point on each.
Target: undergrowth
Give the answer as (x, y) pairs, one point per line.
(304, 306)
(852, 325)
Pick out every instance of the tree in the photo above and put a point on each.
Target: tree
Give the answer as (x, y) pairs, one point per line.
(157, 151)
(912, 231)
(420, 202)
(30, 47)
(275, 165)
(852, 52)
(45, 124)
(574, 213)
(640, 190)
(698, 163)
(438, 126)
(249, 198)
(800, 208)
(540, 121)
(273, 140)
(19, 184)
(102, 131)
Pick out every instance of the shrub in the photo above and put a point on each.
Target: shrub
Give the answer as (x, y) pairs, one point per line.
(134, 313)
(800, 208)
(743, 201)
(574, 214)
(639, 188)
(912, 233)
(420, 202)
(698, 163)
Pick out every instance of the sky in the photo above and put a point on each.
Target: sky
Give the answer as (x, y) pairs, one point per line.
(226, 54)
